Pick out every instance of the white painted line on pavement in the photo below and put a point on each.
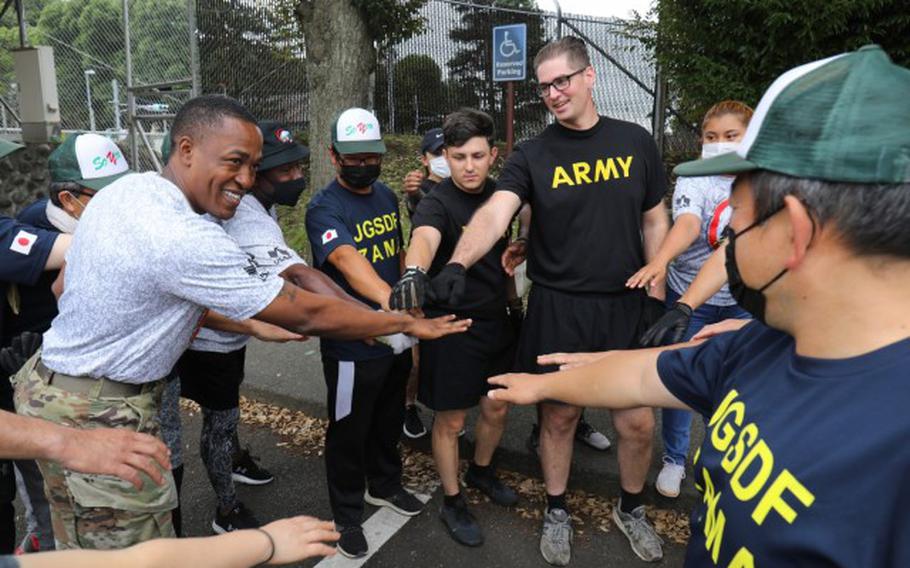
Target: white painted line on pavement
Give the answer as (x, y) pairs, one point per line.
(378, 529)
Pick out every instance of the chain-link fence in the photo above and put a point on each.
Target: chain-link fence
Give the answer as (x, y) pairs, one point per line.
(89, 40)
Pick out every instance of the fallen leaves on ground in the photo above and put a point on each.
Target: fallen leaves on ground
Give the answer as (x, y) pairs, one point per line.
(307, 435)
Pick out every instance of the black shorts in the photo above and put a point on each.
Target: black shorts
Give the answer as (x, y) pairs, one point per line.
(212, 379)
(576, 323)
(454, 369)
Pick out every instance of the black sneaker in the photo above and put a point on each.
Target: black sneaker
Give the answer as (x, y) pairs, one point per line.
(352, 542)
(248, 472)
(401, 502)
(237, 518)
(492, 487)
(534, 440)
(461, 524)
(413, 426)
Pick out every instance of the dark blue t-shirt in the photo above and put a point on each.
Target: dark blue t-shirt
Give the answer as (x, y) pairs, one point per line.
(23, 253)
(805, 461)
(370, 224)
(37, 303)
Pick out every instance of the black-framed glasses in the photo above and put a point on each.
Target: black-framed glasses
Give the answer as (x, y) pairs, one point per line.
(560, 83)
(367, 161)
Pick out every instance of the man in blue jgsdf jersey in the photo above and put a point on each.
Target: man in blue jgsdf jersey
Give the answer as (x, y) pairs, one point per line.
(819, 253)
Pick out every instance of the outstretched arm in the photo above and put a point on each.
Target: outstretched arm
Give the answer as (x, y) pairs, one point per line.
(315, 281)
(110, 451)
(709, 280)
(616, 379)
(684, 232)
(487, 226)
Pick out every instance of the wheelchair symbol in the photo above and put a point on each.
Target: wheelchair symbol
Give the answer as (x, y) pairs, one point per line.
(507, 48)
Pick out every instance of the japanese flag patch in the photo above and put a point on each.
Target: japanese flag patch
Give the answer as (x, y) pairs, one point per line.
(329, 236)
(23, 242)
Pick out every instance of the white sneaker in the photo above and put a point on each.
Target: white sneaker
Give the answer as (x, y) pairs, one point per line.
(594, 439)
(670, 478)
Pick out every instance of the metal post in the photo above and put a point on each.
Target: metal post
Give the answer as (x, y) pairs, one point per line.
(115, 99)
(88, 98)
(23, 28)
(558, 19)
(194, 47)
(390, 79)
(659, 116)
(510, 116)
(130, 98)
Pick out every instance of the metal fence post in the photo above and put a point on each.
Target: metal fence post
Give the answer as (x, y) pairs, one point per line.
(194, 47)
(659, 115)
(558, 19)
(130, 97)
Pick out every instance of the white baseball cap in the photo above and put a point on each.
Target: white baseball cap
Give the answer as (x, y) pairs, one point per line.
(356, 131)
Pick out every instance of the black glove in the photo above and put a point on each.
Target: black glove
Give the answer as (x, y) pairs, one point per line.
(671, 325)
(448, 286)
(411, 289)
(20, 350)
(516, 314)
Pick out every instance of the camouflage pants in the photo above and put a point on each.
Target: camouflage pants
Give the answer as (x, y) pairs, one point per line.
(98, 511)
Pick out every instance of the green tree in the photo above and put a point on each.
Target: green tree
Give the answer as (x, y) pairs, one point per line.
(710, 50)
(471, 66)
(419, 93)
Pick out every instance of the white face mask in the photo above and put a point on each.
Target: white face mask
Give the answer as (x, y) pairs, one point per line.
(440, 167)
(60, 219)
(712, 149)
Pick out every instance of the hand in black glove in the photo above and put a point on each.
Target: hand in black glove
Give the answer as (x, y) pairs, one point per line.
(671, 325)
(516, 314)
(448, 286)
(20, 350)
(409, 292)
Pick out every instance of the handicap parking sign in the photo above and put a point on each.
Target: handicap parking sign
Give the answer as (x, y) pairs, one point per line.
(510, 52)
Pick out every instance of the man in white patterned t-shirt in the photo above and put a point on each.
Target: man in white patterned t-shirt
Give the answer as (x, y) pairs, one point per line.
(141, 273)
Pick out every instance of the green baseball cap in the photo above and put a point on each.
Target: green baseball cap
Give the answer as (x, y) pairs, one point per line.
(356, 131)
(7, 147)
(845, 118)
(89, 159)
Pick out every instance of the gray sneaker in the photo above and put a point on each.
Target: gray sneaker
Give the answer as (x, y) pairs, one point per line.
(556, 538)
(645, 542)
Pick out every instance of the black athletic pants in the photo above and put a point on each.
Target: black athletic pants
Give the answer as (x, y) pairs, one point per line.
(366, 411)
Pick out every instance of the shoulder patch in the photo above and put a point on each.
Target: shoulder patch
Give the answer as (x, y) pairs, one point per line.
(23, 242)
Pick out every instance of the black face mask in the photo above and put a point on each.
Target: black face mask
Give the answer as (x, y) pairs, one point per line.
(360, 177)
(750, 299)
(288, 192)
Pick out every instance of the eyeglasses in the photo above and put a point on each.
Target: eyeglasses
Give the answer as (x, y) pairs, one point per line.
(560, 83)
(367, 161)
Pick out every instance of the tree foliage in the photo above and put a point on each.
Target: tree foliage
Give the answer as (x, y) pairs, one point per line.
(391, 21)
(710, 50)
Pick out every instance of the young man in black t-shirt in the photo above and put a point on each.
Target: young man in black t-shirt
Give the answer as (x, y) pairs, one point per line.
(595, 185)
(453, 374)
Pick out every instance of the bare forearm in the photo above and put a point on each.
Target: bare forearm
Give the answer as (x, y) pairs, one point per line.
(421, 251)
(238, 549)
(359, 273)
(315, 281)
(618, 379)
(22, 437)
(214, 320)
(679, 238)
(56, 258)
(487, 225)
(655, 227)
(709, 280)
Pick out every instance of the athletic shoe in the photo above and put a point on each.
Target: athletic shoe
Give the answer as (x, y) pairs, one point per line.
(556, 537)
(492, 487)
(461, 524)
(645, 542)
(413, 426)
(236, 519)
(352, 542)
(28, 545)
(533, 443)
(670, 478)
(587, 434)
(401, 502)
(248, 472)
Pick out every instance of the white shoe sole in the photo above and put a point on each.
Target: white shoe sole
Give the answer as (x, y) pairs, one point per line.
(378, 502)
(239, 478)
(218, 529)
(666, 493)
(347, 554)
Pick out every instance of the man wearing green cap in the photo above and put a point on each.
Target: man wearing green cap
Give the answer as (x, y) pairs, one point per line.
(805, 458)
(355, 235)
(212, 369)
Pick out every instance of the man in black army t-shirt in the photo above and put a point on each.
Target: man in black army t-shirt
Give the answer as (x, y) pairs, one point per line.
(453, 375)
(595, 185)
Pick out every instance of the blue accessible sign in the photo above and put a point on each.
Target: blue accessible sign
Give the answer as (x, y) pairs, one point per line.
(510, 48)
